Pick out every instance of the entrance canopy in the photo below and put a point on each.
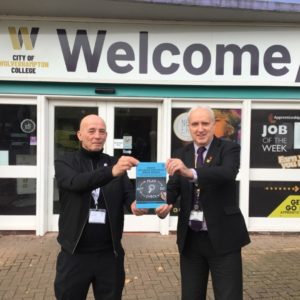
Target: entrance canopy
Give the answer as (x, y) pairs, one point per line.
(167, 10)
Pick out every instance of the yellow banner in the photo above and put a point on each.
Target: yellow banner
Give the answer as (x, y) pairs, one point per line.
(289, 208)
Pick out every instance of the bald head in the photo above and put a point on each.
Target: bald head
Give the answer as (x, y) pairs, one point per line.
(87, 120)
(92, 133)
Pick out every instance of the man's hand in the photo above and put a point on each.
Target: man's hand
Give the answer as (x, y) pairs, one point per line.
(176, 166)
(124, 164)
(138, 211)
(163, 210)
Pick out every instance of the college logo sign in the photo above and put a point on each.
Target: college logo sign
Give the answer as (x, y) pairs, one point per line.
(22, 37)
(149, 53)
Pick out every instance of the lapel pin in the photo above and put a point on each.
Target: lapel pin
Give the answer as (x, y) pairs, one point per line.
(208, 160)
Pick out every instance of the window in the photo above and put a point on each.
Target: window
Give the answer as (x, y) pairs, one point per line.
(275, 139)
(18, 138)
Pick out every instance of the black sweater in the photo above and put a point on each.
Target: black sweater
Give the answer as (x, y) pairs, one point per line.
(78, 174)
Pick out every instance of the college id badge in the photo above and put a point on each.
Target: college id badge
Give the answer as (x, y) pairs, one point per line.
(196, 215)
(97, 216)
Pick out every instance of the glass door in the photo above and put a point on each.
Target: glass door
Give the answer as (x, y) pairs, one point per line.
(135, 132)
(18, 164)
(132, 130)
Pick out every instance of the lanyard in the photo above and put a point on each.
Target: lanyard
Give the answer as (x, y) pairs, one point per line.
(96, 192)
(95, 195)
(197, 201)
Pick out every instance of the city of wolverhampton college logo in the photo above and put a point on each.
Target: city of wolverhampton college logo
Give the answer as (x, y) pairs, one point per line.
(24, 62)
(23, 37)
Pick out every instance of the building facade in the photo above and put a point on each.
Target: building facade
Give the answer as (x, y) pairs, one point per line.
(142, 77)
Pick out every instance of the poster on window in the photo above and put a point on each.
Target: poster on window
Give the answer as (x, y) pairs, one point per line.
(274, 199)
(275, 139)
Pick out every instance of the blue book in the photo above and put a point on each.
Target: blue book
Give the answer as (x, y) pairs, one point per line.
(150, 184)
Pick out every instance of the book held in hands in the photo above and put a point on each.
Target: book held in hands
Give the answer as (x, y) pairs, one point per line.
(150, 184)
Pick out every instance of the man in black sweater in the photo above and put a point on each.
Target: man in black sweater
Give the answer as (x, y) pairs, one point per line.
(93, 189)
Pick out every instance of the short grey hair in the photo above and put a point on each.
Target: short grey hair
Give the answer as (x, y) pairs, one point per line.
(207, 108)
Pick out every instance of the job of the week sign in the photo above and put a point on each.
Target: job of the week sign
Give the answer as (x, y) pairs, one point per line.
(149, 53)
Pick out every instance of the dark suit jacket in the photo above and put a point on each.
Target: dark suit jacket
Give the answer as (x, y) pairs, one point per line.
(219, 196)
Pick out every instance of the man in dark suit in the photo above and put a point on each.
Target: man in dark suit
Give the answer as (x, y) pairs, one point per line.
(211, 229)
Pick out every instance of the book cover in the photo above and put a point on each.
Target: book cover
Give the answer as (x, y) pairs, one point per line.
(150, 184)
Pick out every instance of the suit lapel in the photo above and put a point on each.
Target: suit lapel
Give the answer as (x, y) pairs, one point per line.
(212, 152)
(189, 158)
(189, 155)
(189, 161)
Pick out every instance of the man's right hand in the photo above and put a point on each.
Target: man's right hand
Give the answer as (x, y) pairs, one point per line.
(124, 164)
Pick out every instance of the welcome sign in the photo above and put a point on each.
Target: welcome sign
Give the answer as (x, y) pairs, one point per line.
(149, 53)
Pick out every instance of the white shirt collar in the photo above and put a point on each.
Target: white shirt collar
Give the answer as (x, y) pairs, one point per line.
(207, 147)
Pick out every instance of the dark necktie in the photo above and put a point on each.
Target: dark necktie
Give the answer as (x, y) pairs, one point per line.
(200, 152)
(195, 224)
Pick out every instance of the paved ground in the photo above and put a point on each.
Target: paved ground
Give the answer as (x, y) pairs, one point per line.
(271, 267)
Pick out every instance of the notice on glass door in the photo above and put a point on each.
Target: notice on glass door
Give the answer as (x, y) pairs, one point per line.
(3, 158)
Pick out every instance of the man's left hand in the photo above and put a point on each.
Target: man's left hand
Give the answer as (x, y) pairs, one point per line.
(163, 210)
(176, 166)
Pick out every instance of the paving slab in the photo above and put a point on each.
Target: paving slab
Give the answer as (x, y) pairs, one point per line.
(271, 267)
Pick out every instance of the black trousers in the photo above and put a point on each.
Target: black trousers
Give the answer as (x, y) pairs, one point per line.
(75, 273)
(198, 259)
